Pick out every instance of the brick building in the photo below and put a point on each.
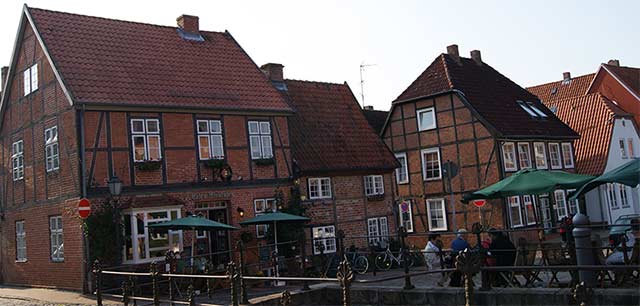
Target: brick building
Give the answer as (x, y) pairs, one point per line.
(343, 168)
(461, 110)
(604, 108)
(89, 99)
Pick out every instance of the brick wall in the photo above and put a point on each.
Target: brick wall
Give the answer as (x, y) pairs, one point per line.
(40, 194)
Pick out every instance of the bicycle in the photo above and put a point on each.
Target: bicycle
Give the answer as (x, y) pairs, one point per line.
(385, 260)
(359, 263)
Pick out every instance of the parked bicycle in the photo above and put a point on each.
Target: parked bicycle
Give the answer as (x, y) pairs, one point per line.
(359, 263)
(385, 260)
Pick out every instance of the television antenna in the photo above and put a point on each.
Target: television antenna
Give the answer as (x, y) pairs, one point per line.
(363, 66)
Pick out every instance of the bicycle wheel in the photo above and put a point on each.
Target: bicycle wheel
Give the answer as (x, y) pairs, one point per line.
(409, 260)
(361, 265)
(383, 262)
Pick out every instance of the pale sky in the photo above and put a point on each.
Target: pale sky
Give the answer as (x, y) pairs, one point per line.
(531, 43)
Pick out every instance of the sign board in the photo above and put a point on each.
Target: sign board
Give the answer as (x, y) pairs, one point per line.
(84, 208)
(404, 206)
(479, 203)
(450, 169)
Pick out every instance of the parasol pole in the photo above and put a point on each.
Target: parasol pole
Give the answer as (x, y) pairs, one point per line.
(275, 239)
(193, 242)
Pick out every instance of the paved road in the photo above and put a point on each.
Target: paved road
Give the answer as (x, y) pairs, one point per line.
(22, 302)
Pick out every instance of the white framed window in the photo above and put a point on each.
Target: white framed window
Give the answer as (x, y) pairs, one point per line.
(51, 149)
(431, 164)
(554, 156)
(561, 204)
(536, 110)
(210, 140)
(402, 173)
(56, 238)
(567, 155)
(30, 77)
(17, 160)
(319, 188)
(573, 205)
(378, 230)
(540, 155)
(406, 215)
(630, 147)
(527, 109)
(529, 208)
(426, 119)
(509, 156)
(611, 196)
(524, 152)
(141, 243)
(260, 139)
(515, 212)
(623, 149)
(324, 237)
(624, 196)
(373, 185)
(145, 135)
(437, 215)
(21, 242)
(261, 206)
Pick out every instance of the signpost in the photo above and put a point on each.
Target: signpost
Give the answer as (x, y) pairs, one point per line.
(84, 208)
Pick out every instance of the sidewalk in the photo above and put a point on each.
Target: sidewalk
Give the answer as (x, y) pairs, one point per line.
(47, 295)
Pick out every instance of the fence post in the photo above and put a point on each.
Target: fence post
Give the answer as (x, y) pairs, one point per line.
(132, 287)
(97, 272)
(125, 293)
(169, 267)
(244, 299)
(285, 299)
(584, 253)
(303, 264)
(340, 237)
(406, 254)
(153, 269)
(468, 262)
(232, 272)
(191, 295)
(582, 294)
(345, 276)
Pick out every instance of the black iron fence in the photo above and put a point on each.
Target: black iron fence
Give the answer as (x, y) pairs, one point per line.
(165, 283)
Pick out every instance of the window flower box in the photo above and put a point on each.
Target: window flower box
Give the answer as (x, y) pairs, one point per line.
(215, 163)
(265, 161)
(149, 165)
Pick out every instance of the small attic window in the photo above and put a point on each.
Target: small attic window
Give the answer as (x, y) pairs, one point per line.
(554, 90)
(537, 110)
(526, 108)
(554, 109)
(189, 35)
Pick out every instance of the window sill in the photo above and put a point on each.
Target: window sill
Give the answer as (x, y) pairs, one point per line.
(57, 261)
(53, 170)
(437, 229)
(375, 197)
(433, 179)
(20, 179)
(21, 261)
(427, 128)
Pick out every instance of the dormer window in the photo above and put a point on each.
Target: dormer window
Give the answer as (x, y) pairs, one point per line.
(30, 79)
(537, 110)
(527, 109)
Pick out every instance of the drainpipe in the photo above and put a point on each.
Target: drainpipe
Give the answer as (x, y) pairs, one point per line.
(85, 242)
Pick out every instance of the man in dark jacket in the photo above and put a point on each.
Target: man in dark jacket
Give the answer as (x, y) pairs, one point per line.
(501, 248)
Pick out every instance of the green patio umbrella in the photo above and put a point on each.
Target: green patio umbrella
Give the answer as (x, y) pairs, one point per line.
(529, 181)
(194, 223)
(275, 218)
(627, 174)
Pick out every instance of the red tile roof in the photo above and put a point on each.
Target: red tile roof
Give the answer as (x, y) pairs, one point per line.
(330, 133)
(628, 75)
(107, 61)
(592, 117)
(560, 90)
(376, 119)
(491, 94)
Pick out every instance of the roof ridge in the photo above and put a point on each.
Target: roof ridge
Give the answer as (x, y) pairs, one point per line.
(552, 82)
(113, 19)
(316, 82)
(446, 70)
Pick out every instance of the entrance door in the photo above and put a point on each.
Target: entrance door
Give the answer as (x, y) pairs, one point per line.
(219, 239)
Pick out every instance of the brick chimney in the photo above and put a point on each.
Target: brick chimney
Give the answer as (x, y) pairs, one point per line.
(476, 57)
(3, 76)
(188, 23)
(453, 51)
(273, 72)
(614, 62)
(566, 76)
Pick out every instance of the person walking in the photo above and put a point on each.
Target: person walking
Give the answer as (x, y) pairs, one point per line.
(431, 256)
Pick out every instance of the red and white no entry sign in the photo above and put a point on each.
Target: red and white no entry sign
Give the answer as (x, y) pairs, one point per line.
(479, 203)
(84, 208)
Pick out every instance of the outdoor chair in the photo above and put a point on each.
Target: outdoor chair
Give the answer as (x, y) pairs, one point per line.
(554, 254)
(622, 277)
(525, 256)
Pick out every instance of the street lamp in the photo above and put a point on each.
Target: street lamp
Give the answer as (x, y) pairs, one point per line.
(115, 186)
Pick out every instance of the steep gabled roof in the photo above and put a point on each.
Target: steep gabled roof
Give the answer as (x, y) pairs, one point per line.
(376, 119)
(113, 62)
(492, 95)
(629, 76)
(561, 90)
(592, 117)
(329, 131)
